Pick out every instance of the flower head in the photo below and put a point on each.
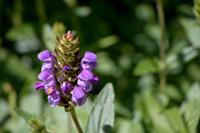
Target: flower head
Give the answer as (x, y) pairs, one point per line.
(65, 76)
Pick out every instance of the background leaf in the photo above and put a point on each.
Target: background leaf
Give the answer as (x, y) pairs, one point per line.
(191, 108)
(101, 119)
(146, 66)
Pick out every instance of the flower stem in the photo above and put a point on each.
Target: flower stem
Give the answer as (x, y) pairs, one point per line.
(76, 122)
(161, 18)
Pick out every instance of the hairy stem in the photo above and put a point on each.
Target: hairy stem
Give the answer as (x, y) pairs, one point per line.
(75, 119)
(161, 18)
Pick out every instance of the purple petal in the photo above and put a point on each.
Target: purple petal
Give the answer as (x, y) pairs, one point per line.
(39, 85)
(65, 86)
(88, 88)
(54, 98)
(89, 60)
(44, 75)
(78, 96)
(90, 56)
(88, 65)
(50, 83)
(46, 66)
(86, 85)
(82, 83)
(44, 55)
(95, 79)
(85, 75)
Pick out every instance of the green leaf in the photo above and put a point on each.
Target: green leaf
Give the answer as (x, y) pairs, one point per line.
(197, 9)
(154, 109)
(49, 34)
(125, 126)
(101, 118)
(192, 31)
(189, 53)
(25, 115)
(49, 37)
(33, 99)
(25, 37)
(106, 65)
(191, 108)
(4, 109)
(12, 63)
(173, 93)
(36, 123)
(146, 66)
(57, 120)
(173, 116)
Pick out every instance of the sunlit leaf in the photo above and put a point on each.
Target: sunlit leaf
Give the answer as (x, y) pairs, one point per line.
(191, 108)
(125, 126)
(175, 120)
(101, 119)
(58, 120)
(4, 109)
(25, 38)
(36, 123)
(49, 37)
(192, 31)
(31, 103)
(146, 66)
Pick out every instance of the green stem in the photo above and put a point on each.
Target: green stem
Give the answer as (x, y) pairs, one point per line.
(41, 11)
(75, 119)
(17, 13)
(161, 18)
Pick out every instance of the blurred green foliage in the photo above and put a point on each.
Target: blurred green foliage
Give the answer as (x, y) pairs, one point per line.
(124, 34)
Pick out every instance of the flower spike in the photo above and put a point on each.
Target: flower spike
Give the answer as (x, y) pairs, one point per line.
(65, 76)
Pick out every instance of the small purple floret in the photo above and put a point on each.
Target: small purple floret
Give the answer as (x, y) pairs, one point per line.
(78, 96)
(65, 86)
(46, 66)
(39, 85)
(44, 75)
(85, 75)
(89, 60)
(44, 55)
(47, 78)
(54, 98)
(95, 79)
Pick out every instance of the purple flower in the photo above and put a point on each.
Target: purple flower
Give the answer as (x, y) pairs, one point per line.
(44, 75)
(65, 86)
(46, 66)
(47, 78)
(89, 60)
(78, 96)
(66, 69)
(39, 85)
(54, 98)
(95, 79)
(85, 75)
(44, 55)
(86, 85)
